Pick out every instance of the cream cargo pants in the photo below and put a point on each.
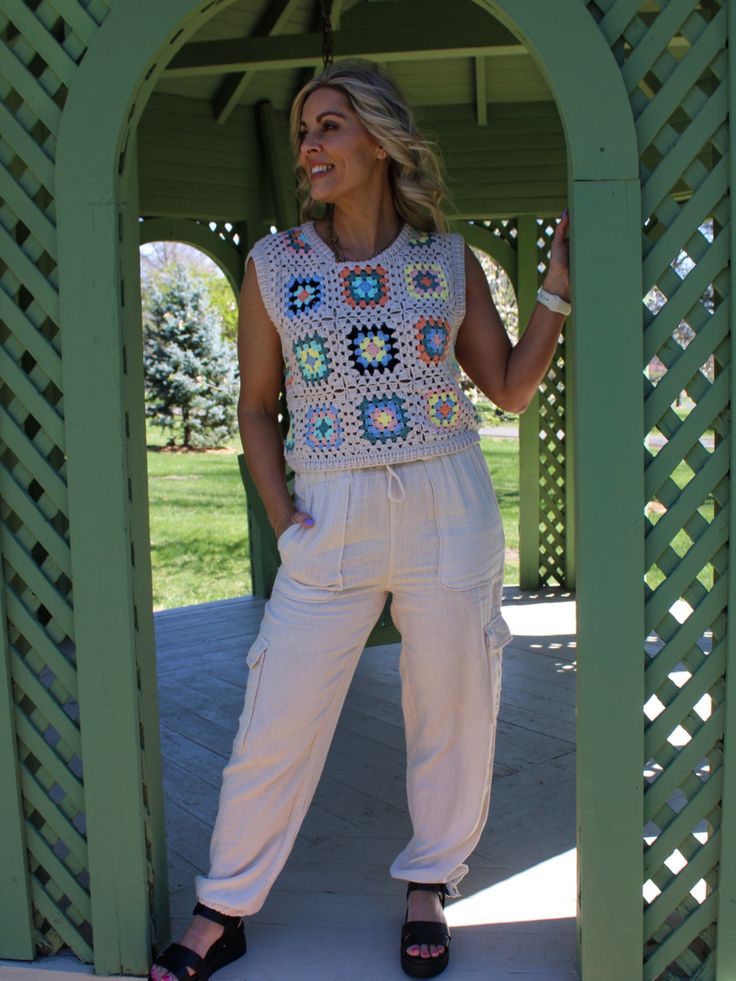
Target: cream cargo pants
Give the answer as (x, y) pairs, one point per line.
(430, 533)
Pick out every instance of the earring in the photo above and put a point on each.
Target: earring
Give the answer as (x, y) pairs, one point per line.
(381, 153)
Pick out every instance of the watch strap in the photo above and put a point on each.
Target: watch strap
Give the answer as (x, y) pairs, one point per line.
(553, 302)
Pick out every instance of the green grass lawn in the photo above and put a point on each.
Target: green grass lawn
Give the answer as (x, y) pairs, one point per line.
(199, 531)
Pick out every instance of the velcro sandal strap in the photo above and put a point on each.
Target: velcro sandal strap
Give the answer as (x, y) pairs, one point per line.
(177, 959)
(425, 932)
(215, 916)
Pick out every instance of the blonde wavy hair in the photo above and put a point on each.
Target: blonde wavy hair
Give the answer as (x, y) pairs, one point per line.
(415, 170)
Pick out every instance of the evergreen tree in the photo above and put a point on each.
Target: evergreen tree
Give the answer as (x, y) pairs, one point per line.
(190, 370)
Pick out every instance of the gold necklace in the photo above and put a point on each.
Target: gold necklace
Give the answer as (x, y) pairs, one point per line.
(334, 241)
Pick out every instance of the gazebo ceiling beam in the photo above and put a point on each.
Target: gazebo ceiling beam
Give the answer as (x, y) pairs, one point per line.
(305, 50)
(234, 87)
(481, 95)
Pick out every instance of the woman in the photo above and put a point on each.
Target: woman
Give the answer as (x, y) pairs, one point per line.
(366, 306)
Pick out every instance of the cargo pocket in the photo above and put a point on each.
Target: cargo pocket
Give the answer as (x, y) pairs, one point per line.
(254, 659)
(312, 557)
(469, 526)
(497, 636)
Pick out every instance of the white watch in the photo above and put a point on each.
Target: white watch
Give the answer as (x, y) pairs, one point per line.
(553, 302)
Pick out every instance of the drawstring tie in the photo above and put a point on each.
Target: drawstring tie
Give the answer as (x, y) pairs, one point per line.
(393, 476)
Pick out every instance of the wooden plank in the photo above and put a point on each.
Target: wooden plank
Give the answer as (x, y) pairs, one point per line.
(16, 923)
(455, 40)
(526, 295)
(610, 676)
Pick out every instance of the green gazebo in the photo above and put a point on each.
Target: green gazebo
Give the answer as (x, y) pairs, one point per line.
(124, 121)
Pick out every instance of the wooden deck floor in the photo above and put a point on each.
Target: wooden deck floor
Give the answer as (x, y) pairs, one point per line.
(335, 912)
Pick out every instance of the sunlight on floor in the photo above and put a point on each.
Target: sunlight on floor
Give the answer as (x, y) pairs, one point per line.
(543, 892)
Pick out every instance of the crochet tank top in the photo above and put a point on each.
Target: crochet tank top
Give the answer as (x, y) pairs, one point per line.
(370, 372)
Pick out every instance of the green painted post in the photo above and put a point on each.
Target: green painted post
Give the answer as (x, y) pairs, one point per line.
(726, 926)
(570, 376)
(610, 566)
(135, 431)
(282, 188)
(111, 86)
(16, 921)
(526, 292)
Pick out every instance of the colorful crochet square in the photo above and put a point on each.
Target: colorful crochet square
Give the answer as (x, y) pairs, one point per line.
(443, 408)
(418, 239)
(373, 349)
(312, 358)
(303, 293)
(296, 242)
(323, 430)
(426, 281)
(384, 419)
(365, 286)
(433, 337)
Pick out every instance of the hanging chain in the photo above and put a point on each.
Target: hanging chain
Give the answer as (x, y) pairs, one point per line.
(327, 39)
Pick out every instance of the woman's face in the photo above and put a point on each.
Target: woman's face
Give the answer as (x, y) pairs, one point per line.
(337, 152)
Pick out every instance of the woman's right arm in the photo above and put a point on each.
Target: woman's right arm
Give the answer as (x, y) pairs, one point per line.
(260, 360)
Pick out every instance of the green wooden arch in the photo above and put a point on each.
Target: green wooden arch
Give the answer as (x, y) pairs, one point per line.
(96, 202)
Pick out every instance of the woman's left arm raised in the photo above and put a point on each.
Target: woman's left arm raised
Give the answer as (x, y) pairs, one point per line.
(510, 375)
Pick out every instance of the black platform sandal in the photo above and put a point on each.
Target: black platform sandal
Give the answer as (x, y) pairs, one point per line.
(425, 932)
(177, 959)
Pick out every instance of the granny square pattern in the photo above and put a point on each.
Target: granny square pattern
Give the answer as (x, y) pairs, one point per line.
(370, 374)
(373, 349)
(384, 419)
(426, 281)
(296, 241)
(443, 408)
(365, 286)
(433, 339)
(324, 429)
(303, 294)
(313, 358)
(418, 239)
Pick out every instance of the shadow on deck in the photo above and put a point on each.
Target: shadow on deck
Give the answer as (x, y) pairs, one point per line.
(334, 911)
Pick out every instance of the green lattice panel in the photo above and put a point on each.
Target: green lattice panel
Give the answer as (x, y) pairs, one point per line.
(552, 446)
(40, 46)
(673, 61)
